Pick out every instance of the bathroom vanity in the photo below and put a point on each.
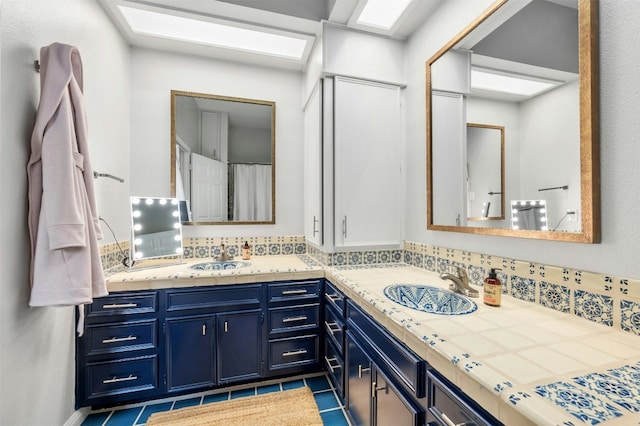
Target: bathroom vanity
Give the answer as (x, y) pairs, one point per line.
(174, 330)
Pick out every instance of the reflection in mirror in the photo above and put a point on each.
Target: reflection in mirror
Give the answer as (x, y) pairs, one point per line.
(485, 172)
(529, 214)
(223, 158)
(529, 66)
(155, 228)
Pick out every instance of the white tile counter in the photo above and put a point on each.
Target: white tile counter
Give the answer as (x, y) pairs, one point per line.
(525, 364)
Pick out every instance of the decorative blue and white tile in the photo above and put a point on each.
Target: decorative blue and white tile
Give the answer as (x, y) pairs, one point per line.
(628, 373)
(594, 307)
(579, 403)
(628, 287)
(487, 376)
(538, 410)
(476, 274)
(430, 263)
(369, 257)
(287, 248)
(274, 249)
(384, 256)
(260, 249)
(523, 288)
(339, 259)
(504, 279)
(408, 257)
(355, 257)
(300, 248)
(630, 316)
(418, 260)
(621, 392)
(555, 296)
(396, 256)
(202, 251)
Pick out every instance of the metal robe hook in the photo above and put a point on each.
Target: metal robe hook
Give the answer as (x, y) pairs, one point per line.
(96, 175)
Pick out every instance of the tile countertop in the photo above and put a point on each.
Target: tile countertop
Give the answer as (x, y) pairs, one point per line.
(524, 363)
(150, 274)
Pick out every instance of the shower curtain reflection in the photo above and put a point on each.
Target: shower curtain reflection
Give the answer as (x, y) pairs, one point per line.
(250, 197)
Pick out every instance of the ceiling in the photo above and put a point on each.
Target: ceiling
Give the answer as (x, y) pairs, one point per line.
(301, 17)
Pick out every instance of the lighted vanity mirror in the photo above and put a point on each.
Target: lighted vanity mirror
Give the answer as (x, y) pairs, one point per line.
(547, 50)
(223, 158)
(529, 214)
(155, 228)
(485, 172)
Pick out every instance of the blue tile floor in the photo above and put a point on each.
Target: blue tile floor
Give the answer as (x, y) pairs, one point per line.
(331, 409)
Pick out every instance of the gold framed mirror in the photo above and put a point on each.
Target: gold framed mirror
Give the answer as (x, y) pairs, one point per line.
(223, 158)
(485, 173)
(552, 135)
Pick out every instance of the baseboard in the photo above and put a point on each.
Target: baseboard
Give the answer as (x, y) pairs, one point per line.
(77, 417)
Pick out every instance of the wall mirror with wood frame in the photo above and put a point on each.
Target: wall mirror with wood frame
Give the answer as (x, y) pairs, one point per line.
(223, 158)
(529, 66)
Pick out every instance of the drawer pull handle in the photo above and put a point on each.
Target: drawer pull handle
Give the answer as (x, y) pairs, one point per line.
(362, 370)
(294, 319)
(296, 352)
(334, 297)
(119, 339)
(330, 328)
(375, 389)
(292, 292)
(120, 305)
(448, 421)
(329, 361)
(121, 379)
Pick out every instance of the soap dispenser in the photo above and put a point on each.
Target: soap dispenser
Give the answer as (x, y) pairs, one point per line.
(246, 251)
(492, 289)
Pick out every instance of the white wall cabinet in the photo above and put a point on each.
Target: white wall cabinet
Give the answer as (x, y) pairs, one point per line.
(353, 151)
(367, 164)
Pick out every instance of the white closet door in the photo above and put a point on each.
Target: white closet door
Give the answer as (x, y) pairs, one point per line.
(367, 163)
(208, 189)
(449, 159)
(313, 168)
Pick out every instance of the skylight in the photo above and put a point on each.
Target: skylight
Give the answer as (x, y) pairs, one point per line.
(142, 21)
(509, 83)
(382, 13)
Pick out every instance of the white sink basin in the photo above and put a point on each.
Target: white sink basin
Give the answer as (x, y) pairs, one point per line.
(430, 299)
(216, 265)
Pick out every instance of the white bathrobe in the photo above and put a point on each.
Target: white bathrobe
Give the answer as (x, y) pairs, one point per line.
(63, 219)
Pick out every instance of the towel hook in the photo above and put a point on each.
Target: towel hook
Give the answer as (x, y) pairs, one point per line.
(96, 175)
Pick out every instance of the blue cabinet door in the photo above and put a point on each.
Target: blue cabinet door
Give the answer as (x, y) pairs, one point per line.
(190, 352)
(358, 382)
(391, 407)
(239, 346)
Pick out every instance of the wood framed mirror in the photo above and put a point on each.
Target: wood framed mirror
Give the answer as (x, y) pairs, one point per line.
(551, 136)
(223, 158)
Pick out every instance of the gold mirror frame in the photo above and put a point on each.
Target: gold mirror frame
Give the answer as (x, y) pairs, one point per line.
(174, 94)
(589, 134)
(502, 187)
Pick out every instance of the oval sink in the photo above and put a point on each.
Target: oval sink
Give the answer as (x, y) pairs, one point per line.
(429, 299)
(216, 265)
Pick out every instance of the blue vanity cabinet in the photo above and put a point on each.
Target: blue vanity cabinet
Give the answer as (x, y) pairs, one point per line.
(213, 336)
(386, 381)
(334, 335)
(118, 355)
(293, 327)
(190, 352)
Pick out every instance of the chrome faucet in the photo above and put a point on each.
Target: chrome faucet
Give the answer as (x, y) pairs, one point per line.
(460, 282)
(223, 256)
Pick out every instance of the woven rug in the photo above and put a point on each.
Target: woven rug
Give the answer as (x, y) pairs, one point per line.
(295, 407)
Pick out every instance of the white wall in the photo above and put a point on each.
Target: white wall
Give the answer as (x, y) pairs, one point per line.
(37, 376)
(155, 73)
(620, 175)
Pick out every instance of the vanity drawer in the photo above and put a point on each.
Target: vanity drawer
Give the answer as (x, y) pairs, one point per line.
(122, 376)
(298, 290)
(121, 337)
(335, 298)
(334, 328)
(225, 296)
(293, 352)
(334, 362)
(123, 304)
(296, 318)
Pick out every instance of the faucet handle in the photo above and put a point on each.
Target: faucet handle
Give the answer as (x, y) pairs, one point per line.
(460, 271)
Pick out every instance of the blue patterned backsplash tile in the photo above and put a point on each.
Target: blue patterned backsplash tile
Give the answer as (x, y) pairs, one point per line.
(605, 299)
